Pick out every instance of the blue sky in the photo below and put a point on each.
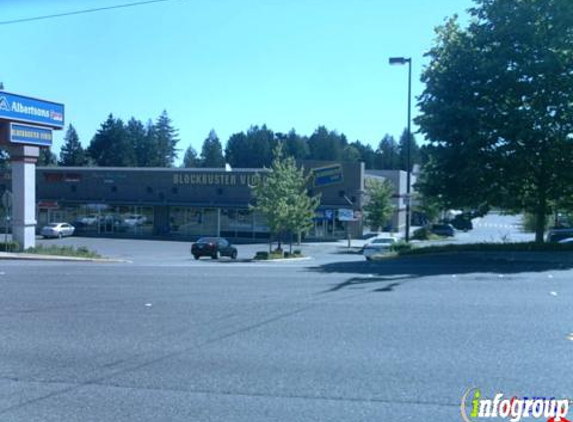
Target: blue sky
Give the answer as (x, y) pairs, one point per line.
(224, 64)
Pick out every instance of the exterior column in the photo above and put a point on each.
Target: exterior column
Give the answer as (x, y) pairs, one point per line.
(24, 160)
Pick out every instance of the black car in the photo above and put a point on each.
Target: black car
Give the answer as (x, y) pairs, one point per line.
(558, 234)
(214, 247)
(462, 222)
(443, 230)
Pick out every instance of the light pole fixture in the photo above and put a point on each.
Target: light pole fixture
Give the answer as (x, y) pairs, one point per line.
(403, 61)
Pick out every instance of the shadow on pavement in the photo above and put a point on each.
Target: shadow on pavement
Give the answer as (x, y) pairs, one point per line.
(395, 271)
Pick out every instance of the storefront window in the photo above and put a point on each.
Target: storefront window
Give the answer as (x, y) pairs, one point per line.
(94, 219)
(185, 221)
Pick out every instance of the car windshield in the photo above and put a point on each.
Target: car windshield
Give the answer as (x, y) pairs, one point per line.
(207, 240)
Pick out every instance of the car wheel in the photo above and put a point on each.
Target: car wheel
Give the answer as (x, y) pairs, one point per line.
(196, 256)
(234, 255)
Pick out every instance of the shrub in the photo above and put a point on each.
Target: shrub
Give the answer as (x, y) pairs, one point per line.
(297, 252)
(422, 234)
(81, 252)
(400, 247)
(11, 246)
(262, 255)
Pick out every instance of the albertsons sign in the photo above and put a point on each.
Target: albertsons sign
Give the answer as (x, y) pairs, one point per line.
(31, 110)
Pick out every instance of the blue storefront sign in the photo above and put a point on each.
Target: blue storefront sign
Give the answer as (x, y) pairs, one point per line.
(31, 110)
(329, 175)
(30, 135)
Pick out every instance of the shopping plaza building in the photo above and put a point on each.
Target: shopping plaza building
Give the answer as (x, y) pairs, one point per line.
(179, 203)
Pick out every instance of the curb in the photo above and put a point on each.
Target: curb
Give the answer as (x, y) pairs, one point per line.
(35, 257)
(531, 256)
(306, 258)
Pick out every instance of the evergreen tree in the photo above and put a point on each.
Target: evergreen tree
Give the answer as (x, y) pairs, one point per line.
(72, 152)
(282, 197)
(261, 141)
(325, 145)
(294, 145)
(388, 154)
(47, 158)
(251, 150)
(166, 139)
(212, 152)
(137, 136)
(367, 154)
(403, 151)
(190, 160)
(111, 146)
(351, 154)
(237, 150)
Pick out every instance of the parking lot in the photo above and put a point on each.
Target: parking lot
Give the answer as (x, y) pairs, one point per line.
(176, 253)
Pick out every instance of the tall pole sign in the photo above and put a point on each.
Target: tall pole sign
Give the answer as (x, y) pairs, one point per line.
(26, 124)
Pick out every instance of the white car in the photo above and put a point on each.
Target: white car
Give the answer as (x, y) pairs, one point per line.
(88, 220)
(377, 246)
(135, 220)
(57, 230)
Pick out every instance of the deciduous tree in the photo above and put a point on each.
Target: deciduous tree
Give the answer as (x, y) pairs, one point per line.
(378, 208)
(282, 197)
(497, 107)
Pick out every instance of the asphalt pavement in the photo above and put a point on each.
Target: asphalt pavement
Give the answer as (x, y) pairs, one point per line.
(333, 338)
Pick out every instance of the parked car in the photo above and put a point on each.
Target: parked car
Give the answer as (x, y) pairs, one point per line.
(57, 230)
(377, 246)
(443, 230)
(214, 247)
(111, 223)
(462, 222)
(135, 220)
(88, 220)
(556, 235)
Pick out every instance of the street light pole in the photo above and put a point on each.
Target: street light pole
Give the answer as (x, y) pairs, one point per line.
(402, 61)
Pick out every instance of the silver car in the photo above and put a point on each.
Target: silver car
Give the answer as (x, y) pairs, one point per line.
(377, 246)
(57, 230)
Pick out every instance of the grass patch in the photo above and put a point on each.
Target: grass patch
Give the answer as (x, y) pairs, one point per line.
(488, 247)
(80, 252)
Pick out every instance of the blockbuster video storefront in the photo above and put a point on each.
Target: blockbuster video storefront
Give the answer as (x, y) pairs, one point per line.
(186, 203)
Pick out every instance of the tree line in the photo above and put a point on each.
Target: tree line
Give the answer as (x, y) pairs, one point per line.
(155, 144)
